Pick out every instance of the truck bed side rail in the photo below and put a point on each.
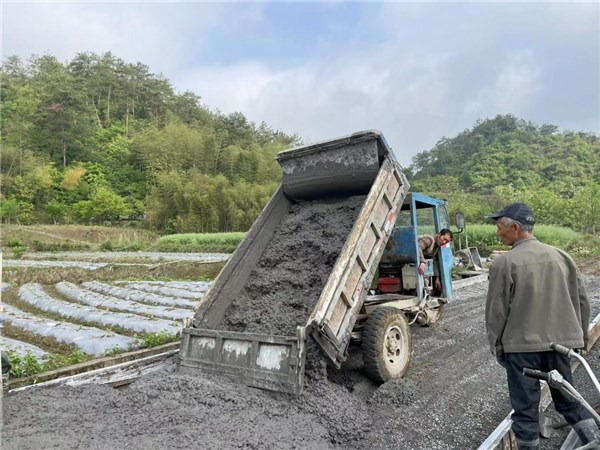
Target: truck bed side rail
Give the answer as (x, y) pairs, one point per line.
(335, 314)
(269, 362)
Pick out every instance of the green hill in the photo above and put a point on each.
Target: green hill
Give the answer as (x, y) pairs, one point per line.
(507, 159)
(97, 140)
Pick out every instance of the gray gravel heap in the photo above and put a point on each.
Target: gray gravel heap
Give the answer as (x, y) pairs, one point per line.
(286, 284)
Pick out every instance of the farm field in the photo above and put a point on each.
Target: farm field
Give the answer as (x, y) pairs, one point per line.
(78, 306)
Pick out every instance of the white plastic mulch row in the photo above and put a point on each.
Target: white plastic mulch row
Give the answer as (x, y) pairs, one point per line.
(87, 297)
(154, 256)
(199, 286)
(61, 264)
(93, 341)
(21, 348)
(138, 296)
(34, 294)
(193, 291)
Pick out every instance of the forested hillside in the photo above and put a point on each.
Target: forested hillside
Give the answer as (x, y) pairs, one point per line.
(506, 159)
(98, 140)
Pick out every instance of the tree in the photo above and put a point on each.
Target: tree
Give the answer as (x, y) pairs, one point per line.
(103, 205)
(585, 207)
(9, 209)
(17, 114)
(55, 210)
(61, 120)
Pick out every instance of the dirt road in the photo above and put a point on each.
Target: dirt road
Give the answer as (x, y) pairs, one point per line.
(452, 397)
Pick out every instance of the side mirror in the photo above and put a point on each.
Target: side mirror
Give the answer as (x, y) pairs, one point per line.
(460, 221)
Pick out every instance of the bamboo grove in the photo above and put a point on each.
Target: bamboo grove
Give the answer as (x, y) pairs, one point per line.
(98, 140)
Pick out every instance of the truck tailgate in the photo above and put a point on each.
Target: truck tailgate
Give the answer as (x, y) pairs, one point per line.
(269, 362)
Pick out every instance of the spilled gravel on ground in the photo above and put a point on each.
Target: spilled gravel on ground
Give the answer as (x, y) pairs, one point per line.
(452, 397)
(170, 410)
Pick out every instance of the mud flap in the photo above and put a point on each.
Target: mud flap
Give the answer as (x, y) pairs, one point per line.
(269, 362)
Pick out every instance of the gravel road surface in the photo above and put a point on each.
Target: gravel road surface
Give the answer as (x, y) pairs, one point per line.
(452, 397)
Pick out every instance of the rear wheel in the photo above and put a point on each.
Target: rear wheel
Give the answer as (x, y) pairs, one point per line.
(386, 344)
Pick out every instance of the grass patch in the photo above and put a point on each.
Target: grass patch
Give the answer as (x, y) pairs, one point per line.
(28, 365)
(156, 339)
(94, 238)
(199, 242)
(123, 245)
(73, 237)
(578, 245)
(63, 246)
(17, 246)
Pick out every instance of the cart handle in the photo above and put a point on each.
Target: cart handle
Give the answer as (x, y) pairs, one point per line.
(537, 374)
(561, 349)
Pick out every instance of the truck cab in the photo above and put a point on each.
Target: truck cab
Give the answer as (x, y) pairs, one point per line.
(398, 268)
(400, 295)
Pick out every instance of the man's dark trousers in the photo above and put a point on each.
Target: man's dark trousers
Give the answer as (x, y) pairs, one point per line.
(525, 391)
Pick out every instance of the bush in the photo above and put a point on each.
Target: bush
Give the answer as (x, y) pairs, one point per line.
(156, 339)
(28, 365)
(24, 366)
(17, 246)
(200, 242)
(484, 238)
(121, 245)
(67, 245)
(14, 242)
(103, 205)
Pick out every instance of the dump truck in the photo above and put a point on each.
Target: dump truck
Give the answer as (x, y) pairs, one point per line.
(349, 309)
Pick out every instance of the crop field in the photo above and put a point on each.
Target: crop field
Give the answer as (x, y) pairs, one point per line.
(63, 308)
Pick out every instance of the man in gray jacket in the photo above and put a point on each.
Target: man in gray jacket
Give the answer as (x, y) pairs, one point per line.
(536, 297)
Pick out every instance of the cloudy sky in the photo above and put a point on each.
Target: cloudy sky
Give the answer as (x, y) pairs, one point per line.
(416, 71)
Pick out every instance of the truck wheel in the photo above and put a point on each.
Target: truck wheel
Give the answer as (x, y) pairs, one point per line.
(386, 344)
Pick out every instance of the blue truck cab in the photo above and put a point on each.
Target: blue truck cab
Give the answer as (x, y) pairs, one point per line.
(420, 214)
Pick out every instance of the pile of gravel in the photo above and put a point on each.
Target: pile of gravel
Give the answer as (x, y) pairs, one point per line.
(284, 288)
(178, 411)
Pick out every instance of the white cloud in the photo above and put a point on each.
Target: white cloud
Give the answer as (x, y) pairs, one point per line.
(430, 69)
(322, 99)
(515, 85)
(517, 81)
(157, 34)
